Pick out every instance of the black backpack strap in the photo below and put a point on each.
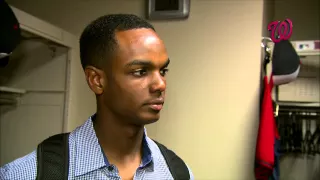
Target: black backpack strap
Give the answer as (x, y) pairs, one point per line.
(53, 158)
(177, 167)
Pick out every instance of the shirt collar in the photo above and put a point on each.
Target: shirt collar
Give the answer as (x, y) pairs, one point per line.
(146, 156)
(89, 155)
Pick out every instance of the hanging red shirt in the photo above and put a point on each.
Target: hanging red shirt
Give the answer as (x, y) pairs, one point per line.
(264, 161)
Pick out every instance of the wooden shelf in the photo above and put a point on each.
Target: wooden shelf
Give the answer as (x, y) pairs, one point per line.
(4, 89)
(8, 101)
(8, 95)
(309, 53)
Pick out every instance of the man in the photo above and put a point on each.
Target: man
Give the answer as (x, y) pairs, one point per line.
(125, 63)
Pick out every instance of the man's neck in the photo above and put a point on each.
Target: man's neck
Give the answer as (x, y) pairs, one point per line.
(122, 143)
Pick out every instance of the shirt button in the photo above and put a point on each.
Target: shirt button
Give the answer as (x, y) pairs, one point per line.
(110, 168)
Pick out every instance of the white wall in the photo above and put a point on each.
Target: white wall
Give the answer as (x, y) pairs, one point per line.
(211, 113)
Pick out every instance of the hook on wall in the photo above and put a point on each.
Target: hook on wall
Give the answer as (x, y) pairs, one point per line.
(267, 52)
(264, 43)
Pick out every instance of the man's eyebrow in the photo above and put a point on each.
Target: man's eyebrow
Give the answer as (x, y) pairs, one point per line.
(139, 63)
(166, 64)
(144, 63)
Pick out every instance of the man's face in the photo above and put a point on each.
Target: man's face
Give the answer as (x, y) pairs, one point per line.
(135, 86)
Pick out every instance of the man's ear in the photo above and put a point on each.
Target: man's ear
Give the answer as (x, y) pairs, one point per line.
(95, 79)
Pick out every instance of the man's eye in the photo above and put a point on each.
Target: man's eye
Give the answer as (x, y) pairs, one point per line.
(139, 73)
(164, 72)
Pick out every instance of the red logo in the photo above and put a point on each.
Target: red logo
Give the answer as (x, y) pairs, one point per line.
(280, 30)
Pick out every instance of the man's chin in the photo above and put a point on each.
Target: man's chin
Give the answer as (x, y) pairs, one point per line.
(149, 118)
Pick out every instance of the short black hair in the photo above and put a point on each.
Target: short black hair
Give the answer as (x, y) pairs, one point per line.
(98, 42)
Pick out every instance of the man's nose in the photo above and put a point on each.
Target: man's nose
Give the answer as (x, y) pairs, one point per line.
(158, 83)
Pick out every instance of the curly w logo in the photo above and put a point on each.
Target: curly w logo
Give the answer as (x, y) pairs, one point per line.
(280, 30)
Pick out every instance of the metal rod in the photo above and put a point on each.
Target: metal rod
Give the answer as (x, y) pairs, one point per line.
(306, 109)
(46, 91)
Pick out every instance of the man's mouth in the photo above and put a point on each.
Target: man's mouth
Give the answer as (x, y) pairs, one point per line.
(156, 107)
(156, 104)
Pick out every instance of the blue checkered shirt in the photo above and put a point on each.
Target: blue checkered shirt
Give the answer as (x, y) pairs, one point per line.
(87, 160)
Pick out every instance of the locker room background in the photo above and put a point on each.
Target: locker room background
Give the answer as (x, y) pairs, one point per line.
(204, 129)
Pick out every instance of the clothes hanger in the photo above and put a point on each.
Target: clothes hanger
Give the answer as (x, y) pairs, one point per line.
(318, 146)
(315, 140)
(283, 133)
(308, 137)
(275, 108)
(297, 135)
(289, 132)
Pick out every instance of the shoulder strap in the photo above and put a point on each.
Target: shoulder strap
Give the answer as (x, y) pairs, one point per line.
(53, 158)
(177, 167)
